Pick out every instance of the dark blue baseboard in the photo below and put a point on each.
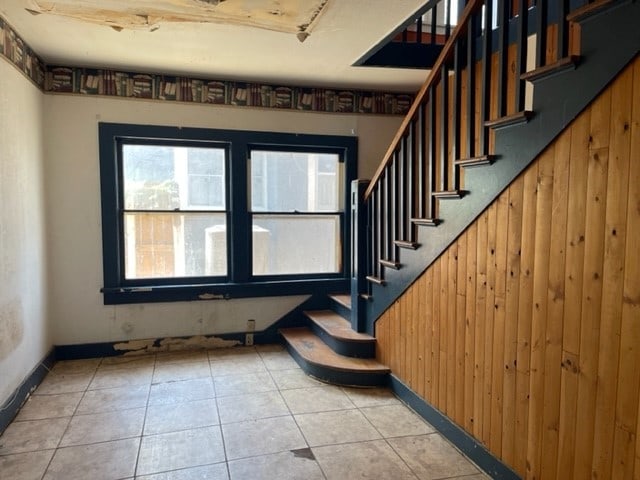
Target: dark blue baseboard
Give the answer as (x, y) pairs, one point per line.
(293, 318)
(468, 445)
(11, 407)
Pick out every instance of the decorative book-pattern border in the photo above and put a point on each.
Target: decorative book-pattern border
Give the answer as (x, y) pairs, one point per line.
(14, 49)
(91, 81)
(87, 81)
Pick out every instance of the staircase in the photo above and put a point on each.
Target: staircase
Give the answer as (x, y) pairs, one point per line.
(330, 350)
(505, 84)
(508, 81)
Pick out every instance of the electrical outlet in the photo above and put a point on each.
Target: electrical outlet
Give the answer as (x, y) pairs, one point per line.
(248, 337)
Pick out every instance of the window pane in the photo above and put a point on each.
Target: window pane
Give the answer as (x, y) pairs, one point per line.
(294, 181)
(165, 245)
(169, 178)
(287, 244)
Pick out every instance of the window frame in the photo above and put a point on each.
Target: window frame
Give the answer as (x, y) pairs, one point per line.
(239, 281)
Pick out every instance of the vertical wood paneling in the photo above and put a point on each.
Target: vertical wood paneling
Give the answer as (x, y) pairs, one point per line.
(539, 311)
(628, 388)
(489, 322)
(428, 333)
(574, 266)
(592, 285)
(525, 293)
(461, 300)
(576, 233)
(419, 337)
(481, 295)
(451, 295)
(435, 345)
(527, 329)
(555, 308)
(470, 326)
(612, 273)
(406, 314)
(497, 368)
(444, 330)
(514, 237)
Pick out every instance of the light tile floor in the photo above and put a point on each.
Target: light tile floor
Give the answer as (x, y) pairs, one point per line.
(241, 413)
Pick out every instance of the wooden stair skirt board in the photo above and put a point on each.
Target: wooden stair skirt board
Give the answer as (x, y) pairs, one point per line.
(318, 360)
(337, 333)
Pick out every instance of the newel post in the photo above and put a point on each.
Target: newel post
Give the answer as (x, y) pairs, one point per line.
(359, 219)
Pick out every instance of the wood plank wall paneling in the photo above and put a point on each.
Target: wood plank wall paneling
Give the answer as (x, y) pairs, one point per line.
(526, 331)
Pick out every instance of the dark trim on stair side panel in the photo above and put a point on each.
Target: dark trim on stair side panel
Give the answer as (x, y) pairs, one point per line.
(11, 406)
(461, 439)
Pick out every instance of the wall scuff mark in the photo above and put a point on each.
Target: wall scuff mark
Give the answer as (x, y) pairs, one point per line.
(11, 327)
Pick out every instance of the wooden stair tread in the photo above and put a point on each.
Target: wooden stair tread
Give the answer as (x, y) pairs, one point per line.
(389, 263)
(475, 161)
(555, 68)
(589, 10)
(343, 299)
(406, 244)
(448, 194)
(428, 222)
(509, 120)
(376, 280)
(337, 326)
(313, 350)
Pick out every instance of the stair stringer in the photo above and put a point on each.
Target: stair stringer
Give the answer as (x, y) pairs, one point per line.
(557, 100)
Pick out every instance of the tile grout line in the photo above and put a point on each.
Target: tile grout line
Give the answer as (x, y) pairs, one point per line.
(84, 392)
(215, 396)
(144, 421)
(295, 420)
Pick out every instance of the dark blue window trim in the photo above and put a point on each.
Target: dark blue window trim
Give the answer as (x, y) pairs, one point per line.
(239, 282)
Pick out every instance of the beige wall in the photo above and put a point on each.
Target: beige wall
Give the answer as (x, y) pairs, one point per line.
(73, 199)
(24, 333)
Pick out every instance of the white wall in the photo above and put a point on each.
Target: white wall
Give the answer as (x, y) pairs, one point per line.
(73, 198)
(24, 333)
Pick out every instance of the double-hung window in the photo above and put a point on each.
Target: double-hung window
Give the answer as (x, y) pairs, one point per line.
(198, 213)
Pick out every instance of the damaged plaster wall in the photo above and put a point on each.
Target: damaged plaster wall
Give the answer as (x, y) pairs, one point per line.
(24, 333)
(73, 198)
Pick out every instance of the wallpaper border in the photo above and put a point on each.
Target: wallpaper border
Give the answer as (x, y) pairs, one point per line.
(171, 88)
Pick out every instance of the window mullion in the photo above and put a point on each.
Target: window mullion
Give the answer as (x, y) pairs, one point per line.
(239, 220)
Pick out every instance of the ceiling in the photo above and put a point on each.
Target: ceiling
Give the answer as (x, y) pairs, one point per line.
(245, 40)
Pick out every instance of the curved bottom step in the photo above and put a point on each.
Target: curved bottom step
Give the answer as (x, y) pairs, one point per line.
(318, 360)
(337, 333)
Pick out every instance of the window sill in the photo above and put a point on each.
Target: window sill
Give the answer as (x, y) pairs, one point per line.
(222, 291)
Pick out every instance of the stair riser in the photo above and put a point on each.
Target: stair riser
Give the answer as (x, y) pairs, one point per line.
(337, 377)
(343, 347)
(341, 310)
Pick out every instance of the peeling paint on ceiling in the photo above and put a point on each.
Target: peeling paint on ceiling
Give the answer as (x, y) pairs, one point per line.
(288, 16)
